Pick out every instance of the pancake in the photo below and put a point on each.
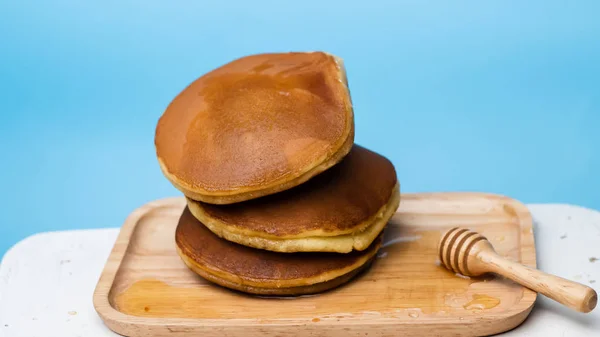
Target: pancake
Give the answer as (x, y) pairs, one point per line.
(263, 272)
(343, 209)
(256, 126)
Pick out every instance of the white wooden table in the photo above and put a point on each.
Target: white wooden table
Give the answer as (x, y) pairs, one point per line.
(47, 280)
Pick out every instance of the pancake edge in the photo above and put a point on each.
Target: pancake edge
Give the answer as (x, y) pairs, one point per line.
(360, 239)
(276, 291)
(339, 151)
(199, 266)
(198, 210)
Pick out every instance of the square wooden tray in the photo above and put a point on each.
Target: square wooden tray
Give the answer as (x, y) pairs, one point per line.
(145, 289)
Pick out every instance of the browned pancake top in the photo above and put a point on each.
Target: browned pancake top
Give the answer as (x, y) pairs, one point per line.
(255, 120)
(341, 198)
(207, 249)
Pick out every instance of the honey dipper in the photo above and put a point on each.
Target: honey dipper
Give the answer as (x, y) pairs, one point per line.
(471, 254)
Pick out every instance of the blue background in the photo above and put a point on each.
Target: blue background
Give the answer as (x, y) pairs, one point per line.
(495, 96)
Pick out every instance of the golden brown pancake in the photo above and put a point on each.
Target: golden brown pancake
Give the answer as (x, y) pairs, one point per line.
(256, 126)
(343, 208)
(263, 272)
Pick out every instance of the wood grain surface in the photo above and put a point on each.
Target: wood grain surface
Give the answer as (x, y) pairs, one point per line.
(145, 289)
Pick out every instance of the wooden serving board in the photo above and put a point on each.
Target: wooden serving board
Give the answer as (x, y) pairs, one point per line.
(146, 290)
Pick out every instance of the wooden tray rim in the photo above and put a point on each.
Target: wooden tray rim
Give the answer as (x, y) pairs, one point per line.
(118, 321)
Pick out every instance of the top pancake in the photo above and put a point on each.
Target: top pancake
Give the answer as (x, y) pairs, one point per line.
(342, 200)
(256, 126)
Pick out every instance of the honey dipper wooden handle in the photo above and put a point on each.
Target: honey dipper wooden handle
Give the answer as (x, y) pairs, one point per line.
(572, 294)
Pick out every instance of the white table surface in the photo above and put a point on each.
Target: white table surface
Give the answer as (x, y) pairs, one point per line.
(47, 280)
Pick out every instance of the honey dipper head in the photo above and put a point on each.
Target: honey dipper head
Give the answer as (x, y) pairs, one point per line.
(456, 250)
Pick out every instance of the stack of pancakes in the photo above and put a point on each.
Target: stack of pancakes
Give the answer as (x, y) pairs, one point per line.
(279, 199)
